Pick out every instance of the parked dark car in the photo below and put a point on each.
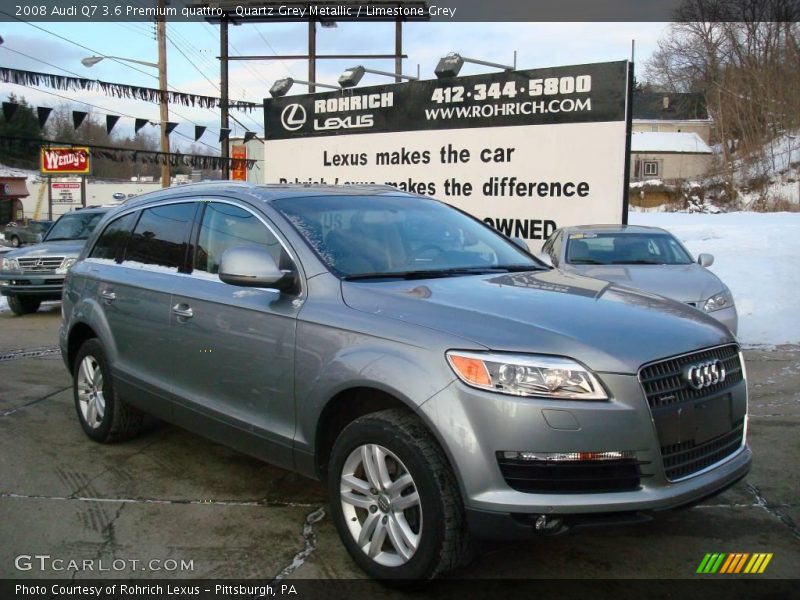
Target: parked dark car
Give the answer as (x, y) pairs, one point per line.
(31, 275)
(31, 233)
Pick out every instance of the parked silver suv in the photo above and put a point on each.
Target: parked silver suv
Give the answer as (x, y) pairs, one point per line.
(35, 274)
(442, 390)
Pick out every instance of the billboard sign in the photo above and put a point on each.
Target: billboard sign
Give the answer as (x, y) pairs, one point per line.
(68, 160)
(525, 151)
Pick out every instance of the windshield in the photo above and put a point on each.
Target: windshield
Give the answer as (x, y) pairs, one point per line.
(39, 227)
(364, 236)
(625, 249)
(74, 226)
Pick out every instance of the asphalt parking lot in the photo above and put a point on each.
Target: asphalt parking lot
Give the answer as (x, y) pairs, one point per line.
(172, 495)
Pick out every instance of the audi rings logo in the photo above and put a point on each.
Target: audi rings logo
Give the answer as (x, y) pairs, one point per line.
(293, 117)
(705, 374)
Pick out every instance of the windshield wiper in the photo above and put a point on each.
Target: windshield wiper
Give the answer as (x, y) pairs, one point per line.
(585, 261)
(60, 239)
(434, 273)
(636, 262)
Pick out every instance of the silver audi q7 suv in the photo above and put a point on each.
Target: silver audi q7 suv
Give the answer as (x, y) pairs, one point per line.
(442, 381)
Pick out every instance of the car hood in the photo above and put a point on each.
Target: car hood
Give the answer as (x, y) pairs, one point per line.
(607, 327)
(684, 283)
(66, 248)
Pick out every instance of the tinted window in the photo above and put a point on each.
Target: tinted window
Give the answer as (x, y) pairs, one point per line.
(113, 239)
(225, 226)
(161, 235)
(74, 226)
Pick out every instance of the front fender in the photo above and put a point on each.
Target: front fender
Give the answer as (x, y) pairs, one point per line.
(408, 373)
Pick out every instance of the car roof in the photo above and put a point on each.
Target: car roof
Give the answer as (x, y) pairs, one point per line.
(88, 210)
(267, 192)
(613, 229)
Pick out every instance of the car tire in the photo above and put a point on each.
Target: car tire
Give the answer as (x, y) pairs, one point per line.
(104, 416)
(417, 542)
(15, 241)
(21, 305)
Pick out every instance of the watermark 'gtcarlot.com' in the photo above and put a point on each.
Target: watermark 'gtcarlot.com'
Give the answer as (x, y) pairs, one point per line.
(46, 562)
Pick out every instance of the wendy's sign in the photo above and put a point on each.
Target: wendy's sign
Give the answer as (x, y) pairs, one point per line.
(60, 161)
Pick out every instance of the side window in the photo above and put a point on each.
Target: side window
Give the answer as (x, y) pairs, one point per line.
(225, 226)
(111, 242)
(161, 235)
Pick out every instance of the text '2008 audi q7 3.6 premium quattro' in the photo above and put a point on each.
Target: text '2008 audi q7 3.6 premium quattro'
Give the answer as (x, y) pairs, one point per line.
(443, 382)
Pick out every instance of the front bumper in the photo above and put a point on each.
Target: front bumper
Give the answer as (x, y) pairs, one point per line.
(43, 285)
(475, 425)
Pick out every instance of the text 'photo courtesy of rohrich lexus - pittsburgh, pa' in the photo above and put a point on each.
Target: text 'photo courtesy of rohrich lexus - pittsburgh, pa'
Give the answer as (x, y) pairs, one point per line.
(445, 384)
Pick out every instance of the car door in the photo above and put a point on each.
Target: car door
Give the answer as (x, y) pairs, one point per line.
(237, 343)
(134, 267)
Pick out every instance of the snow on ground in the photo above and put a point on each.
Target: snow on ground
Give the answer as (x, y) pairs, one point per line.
(757, 255)
(3, 304)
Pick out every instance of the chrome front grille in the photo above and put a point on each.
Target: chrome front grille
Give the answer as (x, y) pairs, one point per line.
(40, 264)
(663, 381)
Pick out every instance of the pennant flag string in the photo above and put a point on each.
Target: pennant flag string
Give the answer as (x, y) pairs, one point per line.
(117, 90)
(111, 120)
(116, 154)
(77, 117)
(43, 112)
(9, 110)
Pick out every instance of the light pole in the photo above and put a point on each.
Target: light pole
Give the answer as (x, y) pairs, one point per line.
(161, 30)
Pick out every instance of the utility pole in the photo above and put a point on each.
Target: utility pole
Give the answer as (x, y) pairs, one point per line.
(398, 49)
(161, 34)
(223, 100)
(312, 55)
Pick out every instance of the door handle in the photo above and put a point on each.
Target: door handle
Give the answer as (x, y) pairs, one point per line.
(183, 311)
(108, 296)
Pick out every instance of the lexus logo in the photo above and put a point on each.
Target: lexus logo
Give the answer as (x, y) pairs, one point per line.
(705, 374)
(293, 117)
(39, 263)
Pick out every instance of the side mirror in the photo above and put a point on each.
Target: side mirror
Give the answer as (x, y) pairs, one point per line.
(521, 243)
(252, 266)
(38, 238)
(545, 258)
(705, 260)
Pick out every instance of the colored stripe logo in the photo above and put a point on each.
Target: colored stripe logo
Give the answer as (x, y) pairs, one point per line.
(733, 563)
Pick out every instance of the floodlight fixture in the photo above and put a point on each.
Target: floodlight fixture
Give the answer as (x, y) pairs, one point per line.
(450, 65)
(353, 75)
(91, 61)
(282, 86)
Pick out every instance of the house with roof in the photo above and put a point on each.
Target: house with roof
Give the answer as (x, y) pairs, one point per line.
(671, 135)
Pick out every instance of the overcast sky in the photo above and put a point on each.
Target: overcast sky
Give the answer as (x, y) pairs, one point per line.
(537, 45)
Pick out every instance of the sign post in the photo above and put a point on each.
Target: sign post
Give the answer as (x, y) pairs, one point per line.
(525, 151)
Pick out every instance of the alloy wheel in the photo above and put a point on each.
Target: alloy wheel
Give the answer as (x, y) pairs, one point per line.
(90, 392)
(381, 505)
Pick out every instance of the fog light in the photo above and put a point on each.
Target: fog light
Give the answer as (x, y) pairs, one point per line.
(569, 456)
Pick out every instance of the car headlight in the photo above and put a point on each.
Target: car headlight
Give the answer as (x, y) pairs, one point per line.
(65, 265)
(9, 264)
(527, 375)
(718, 301)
